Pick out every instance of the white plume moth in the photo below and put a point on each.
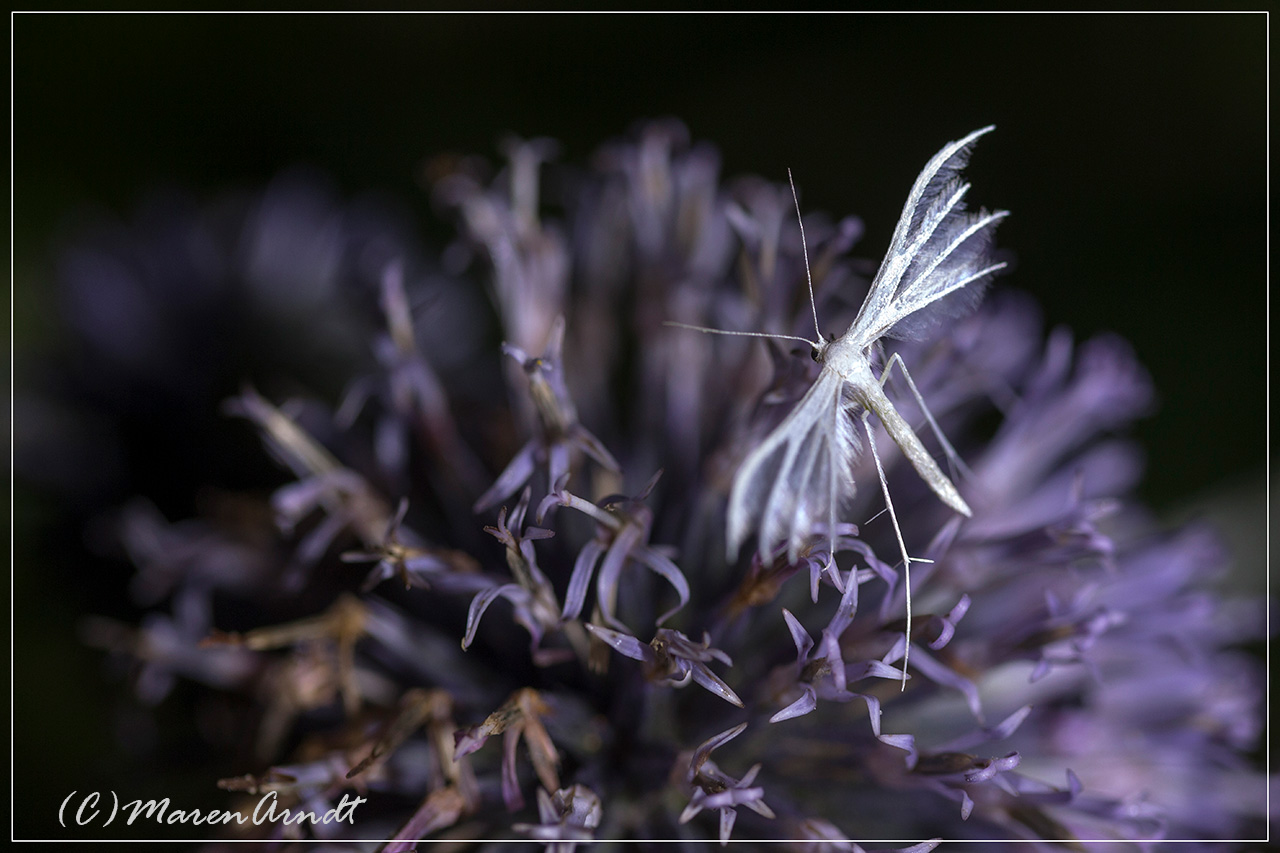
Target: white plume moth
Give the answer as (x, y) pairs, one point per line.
(936, 267)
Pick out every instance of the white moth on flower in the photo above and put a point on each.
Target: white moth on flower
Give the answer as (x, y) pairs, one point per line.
(799, 477)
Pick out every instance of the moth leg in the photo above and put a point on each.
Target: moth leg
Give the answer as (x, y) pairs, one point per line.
(902, 545)
(953, 458)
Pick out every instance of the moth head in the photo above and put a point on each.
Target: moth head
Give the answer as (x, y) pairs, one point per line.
(818, 351)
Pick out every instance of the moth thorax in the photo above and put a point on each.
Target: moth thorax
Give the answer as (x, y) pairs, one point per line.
(848, 359)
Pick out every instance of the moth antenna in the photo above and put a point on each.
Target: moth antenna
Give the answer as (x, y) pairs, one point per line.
(744, 334)
(804, 245)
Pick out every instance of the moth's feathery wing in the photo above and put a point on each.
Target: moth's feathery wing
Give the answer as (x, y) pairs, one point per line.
(799, 475)
(938, 258)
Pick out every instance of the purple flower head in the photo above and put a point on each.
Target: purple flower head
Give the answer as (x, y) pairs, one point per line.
(1073, 673)
(559, 435)
(712, 788)
(566, 817)
(413, 564)
(672, 658)
(623, 526)
(414, 396)
(820, 670)
(532, 598)
(519, 719)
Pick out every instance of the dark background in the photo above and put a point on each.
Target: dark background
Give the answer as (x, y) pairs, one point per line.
(1130, 149)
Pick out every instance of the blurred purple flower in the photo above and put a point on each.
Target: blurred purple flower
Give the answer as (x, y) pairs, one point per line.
(559, 434)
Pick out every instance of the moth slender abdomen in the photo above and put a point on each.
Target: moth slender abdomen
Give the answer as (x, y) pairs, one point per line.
(873, 397)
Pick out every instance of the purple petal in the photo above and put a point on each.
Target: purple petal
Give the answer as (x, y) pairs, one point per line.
(510, 781)
(873, 713)
(936, 672)
(579, 805)
(607, 582)
(903, 742)
(701, 754)
(685, 670)
(807, 702)
(993, 767)
(353, 400)
(402, 509)
(872, 669)
(1000, 731)
(847, 609)
(377, 574)
(558, 462)
(316, 542)
(695, 806)
(712, 682)
(481, 603)
(555, 335)
(669, 570)
(515, 520)
(547, 813)
(623, 643)
(648, 487)
(583, 566)
(552, 499)
(799, 635)
(520, 356)
(944, 635)
(727, 817)
(732, 797)
(949, 623)
(526, 551)
(425, 564)
(292, 502)
(467, 741)
(1042, 668)
(592, 446)
(438, 810)
(515, 475)
(390, 444)
(922, 847)
(966, 805)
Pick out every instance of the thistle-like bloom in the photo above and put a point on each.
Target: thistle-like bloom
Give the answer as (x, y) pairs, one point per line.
(559, 434)
(1073, 676)
(623, 526)
(398, 556)
(672, 658)
(519, 718)
(821, 668)
(532, 598)
(712, 788)
(567, 817)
